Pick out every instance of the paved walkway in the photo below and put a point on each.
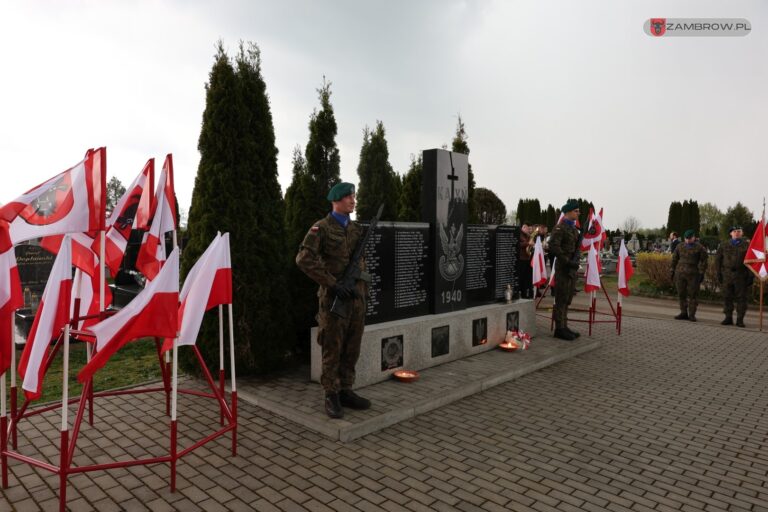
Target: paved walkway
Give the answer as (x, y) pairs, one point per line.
(669, 416)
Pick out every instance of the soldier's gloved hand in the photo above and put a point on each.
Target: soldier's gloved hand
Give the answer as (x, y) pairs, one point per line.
(720, 279)
(701, 278)
(672, 275)
(343, 292)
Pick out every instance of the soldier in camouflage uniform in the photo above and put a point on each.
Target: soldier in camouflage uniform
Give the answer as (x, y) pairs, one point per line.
(324, 254)
(564, 246)
(689, 262)
(734, 277)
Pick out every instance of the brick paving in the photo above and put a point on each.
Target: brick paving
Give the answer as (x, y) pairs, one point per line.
(669, 416)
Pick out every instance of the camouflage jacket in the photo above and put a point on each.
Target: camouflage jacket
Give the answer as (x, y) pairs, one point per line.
(326, 250)
(689, 260)
(730, 258)
(564, 245)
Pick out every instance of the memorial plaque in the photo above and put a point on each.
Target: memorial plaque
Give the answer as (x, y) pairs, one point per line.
(34, 264)
(507, 238)
(479, 331)
(444, 198)
(440, 340)
(391, 352)
(513, 321)
(397, 257)
(481, 257)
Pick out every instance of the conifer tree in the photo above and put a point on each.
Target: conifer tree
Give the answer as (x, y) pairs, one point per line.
(377, 183)
(460, 145)
(674, 218)
(549, 217)
(306, 203)
(236, 191)
(409, 209)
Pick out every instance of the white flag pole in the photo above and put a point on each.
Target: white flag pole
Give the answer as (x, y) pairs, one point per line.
(65, 383)
(234, 385)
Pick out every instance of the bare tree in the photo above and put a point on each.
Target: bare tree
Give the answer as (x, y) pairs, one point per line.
(631, 225)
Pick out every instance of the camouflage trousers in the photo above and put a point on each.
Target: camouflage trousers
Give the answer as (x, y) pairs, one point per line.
(565, 286)
(340, 339)
(735, 288)
(687, 291)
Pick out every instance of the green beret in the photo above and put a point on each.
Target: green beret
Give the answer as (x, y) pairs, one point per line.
(570, 206)
(340, 190)
(689, 233)
(734, 228)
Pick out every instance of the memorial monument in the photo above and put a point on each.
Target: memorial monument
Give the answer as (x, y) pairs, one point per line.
(437, 286)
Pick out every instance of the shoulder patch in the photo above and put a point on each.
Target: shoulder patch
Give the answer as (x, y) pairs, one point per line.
(314, 229)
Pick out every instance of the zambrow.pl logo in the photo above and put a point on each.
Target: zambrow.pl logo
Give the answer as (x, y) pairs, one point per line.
(697, 27)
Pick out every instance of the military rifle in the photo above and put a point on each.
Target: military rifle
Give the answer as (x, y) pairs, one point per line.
(352, 273)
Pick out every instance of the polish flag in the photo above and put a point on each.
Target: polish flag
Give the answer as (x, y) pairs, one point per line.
(132, 211)
(755, 259)
(71, 202)
(153, 312)
(52, 315)
(624, 270)
(11, 297)
(208, 284)
(552, 275)
(592, 277)
(538, 264)
(152, 251)
(595, 233)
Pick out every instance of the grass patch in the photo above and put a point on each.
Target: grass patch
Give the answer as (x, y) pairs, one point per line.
(135, 363)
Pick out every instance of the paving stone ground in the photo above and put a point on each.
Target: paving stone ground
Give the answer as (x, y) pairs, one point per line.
(668, 416)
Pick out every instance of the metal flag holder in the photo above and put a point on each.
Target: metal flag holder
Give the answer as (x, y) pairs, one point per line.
(592, 313)
(8, 431)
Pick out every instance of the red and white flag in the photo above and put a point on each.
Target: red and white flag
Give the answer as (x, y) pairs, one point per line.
(624, 270)
(538, 264)
(11, 297)
(552, 275)
(52, 315)
(595, 233)
(152, 251)
(71, 202)
(208, 284)
(592, 277)
(132, 211)
(755, 259)
(153, 312)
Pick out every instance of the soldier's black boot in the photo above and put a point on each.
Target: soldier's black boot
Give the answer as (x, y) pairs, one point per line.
(573, 333)
(682, 316)
(728, 320)
(352, 400)
(740, 321)
(564, 334)
(692, 313)
(333, 406)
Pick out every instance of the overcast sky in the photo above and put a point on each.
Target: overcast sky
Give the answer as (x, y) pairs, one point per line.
(560, 98)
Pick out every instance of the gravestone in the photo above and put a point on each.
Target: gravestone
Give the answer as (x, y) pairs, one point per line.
(34, 264)
(444, 198)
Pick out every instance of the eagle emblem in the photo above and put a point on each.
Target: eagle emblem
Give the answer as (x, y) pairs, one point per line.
(451, 262)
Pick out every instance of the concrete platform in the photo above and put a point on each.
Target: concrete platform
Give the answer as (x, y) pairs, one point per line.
(295, 398)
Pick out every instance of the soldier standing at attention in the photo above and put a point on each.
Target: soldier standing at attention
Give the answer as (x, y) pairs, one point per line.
(734, 277)
(689, 262)
(323, 256)
(564, 246)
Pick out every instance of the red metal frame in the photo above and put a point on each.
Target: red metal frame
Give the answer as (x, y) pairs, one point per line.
(68, 442)
(592, 312)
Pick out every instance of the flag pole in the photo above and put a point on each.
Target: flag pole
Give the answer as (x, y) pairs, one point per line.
(221, 359)
(3, 430)
(63, 457)
(13, 382)
(174, 424)
(234, 386)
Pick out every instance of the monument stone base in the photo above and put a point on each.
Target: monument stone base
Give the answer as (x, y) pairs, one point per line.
(426, 341)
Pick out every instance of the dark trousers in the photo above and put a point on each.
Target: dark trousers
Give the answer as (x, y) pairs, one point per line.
(565, 287)
(525, 279)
